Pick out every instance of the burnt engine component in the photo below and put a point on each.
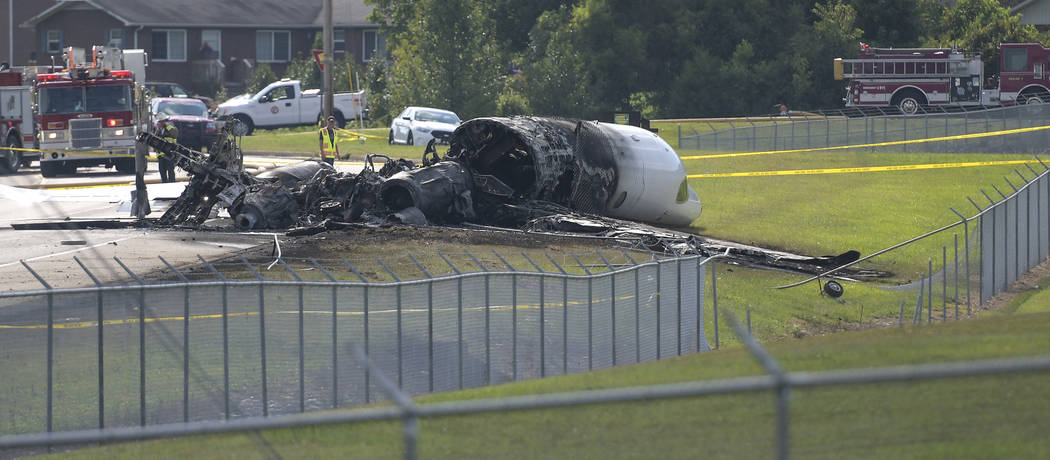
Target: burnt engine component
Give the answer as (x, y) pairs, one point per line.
(442, 192)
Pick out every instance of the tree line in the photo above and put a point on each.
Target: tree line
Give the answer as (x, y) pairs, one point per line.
(665, 58)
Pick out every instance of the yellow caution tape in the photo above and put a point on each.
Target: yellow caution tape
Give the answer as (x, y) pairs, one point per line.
(799, 172)
(879, 144)
(354, 133)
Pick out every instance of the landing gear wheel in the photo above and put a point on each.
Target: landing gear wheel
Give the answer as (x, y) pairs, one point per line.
(409, 141)
(390, 140)
(12, 159)
(833, 289)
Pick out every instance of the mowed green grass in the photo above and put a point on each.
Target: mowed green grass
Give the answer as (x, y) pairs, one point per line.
(303, 140)
(977, 417)
(865, 211)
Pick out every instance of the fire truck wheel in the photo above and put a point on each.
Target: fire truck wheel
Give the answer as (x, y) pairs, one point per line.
(12, 158)
(908, 101)
(49, 169)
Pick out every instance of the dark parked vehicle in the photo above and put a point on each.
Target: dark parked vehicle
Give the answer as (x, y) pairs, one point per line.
(168, 89)
(190, 116)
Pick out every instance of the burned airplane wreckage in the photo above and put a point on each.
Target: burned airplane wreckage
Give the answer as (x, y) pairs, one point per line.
(524, 173)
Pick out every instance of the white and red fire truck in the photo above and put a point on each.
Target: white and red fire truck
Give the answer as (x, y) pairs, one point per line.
(17, 129)
(910, 78)
(90, 114)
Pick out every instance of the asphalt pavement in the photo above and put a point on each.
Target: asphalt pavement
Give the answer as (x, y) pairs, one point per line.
(100, 194)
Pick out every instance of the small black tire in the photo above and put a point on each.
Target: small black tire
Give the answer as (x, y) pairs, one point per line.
(340, 120)
(49, 169)
(12, 159)
(126, 165)
(833, 289)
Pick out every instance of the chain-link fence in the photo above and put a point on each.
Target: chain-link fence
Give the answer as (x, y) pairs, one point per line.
(1016, 129)
(163, 352)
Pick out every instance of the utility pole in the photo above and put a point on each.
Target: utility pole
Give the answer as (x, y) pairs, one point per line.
(11, 33)
(328, 51)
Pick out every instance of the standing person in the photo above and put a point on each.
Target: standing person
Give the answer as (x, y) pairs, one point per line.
(170, 133)
(328, 142)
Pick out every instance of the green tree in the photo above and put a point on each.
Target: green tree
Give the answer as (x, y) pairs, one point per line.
(380, 107)
(553, 78)
(451, 61)
(261, 76)
(981, 25)
(304, 69)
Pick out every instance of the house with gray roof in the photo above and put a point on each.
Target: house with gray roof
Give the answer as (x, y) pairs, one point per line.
(196, 42)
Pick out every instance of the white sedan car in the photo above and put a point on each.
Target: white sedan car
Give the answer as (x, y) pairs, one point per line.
(417, 125)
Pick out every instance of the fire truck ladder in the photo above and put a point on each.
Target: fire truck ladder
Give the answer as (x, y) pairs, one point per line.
(892, 68)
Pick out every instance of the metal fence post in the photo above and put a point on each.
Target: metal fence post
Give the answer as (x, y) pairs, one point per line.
(966, 251)
(564, 314)
(659, 300)
(335, 332)
(302, 336)
(637, 309)
(714, 300)
(262, 335)
(185, 340)
(400, 333)
(142, 342)
(225, 338)
(590, 316)
(488, 308)
(430, 324)
(929, 309)
(783, 386)
(364, 317)
(944, 284)
(49, 420)
(612, 296)
(956, 261)
(459, 317)
(543, 316)
(513, 317)
(409, 410)
(101, 354)
(678, 283)
(900, 316)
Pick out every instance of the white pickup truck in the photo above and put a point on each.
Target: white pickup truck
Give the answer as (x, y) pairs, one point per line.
(284, 103)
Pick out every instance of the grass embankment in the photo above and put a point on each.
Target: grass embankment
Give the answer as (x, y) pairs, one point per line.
(977, 417)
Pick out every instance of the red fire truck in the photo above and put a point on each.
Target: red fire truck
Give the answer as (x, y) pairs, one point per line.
(16, 120)
(910, 78)
(89, 114)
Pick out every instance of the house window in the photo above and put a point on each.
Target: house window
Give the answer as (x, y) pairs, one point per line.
(169, 45)
(53, 41)
(211, 44)
(339, 40)
(115, 38)
(372, 44)
(273, 45)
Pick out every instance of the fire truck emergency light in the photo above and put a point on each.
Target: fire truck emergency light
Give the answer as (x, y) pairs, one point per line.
(115, 122)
